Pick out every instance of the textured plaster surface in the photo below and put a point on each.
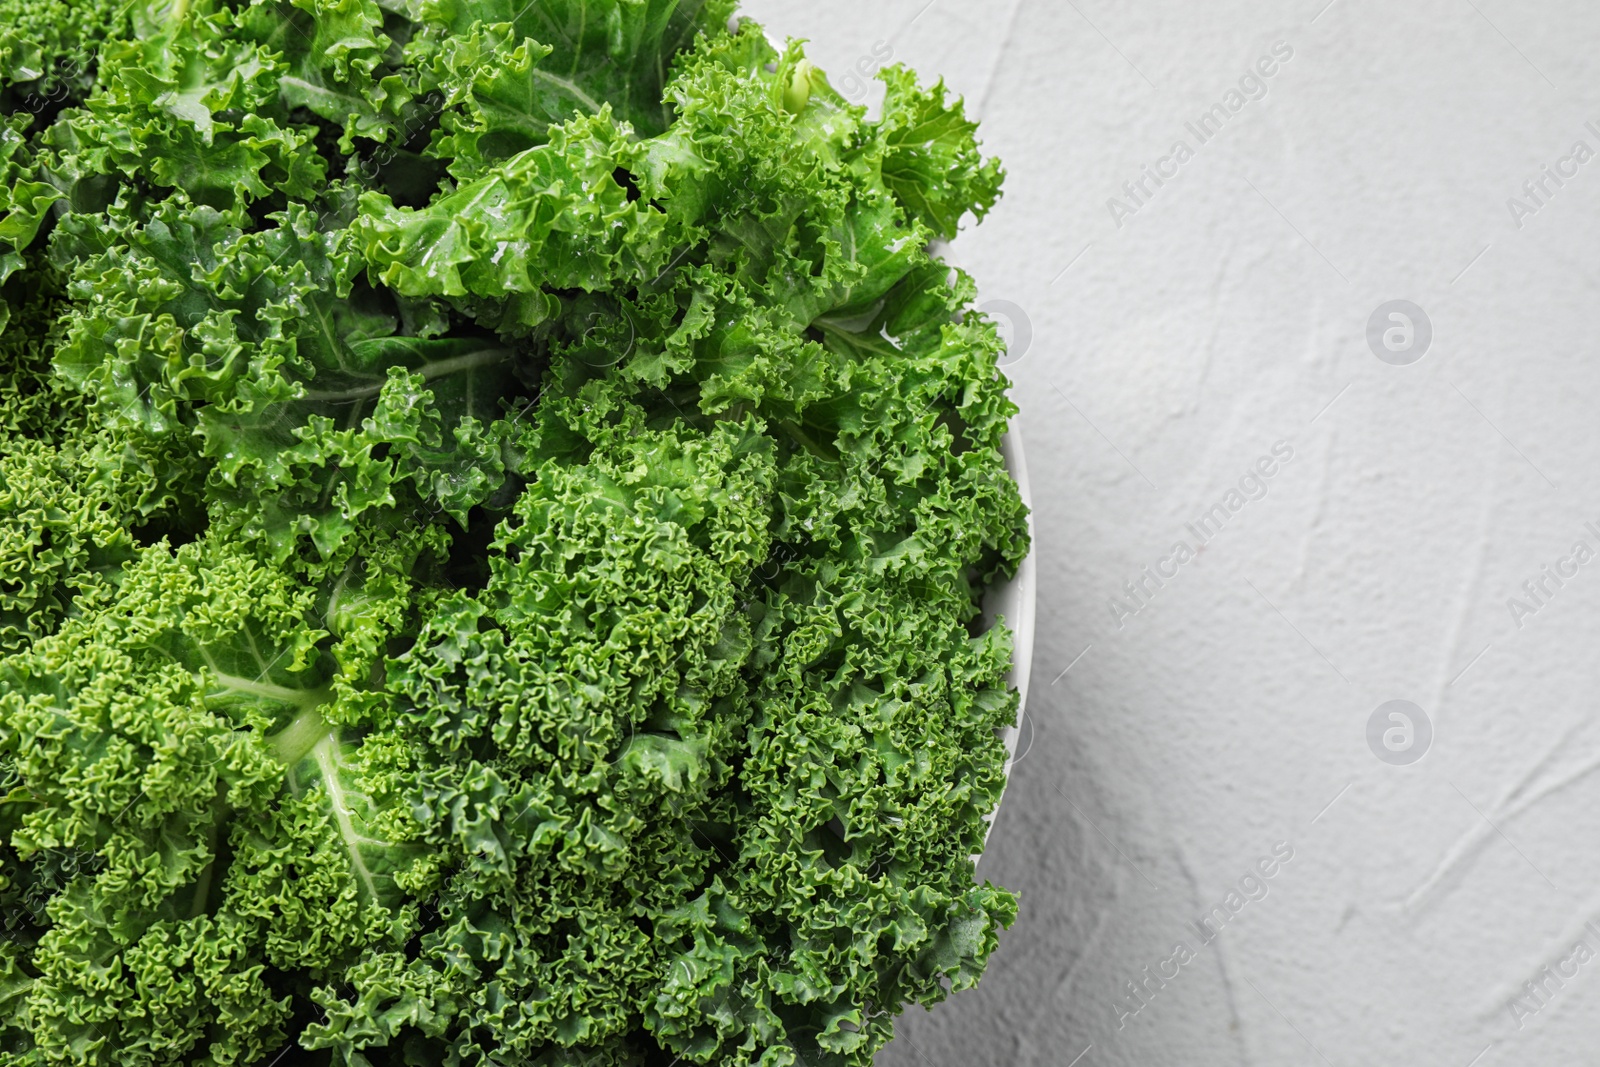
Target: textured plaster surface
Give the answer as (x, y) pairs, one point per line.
(1229, 715)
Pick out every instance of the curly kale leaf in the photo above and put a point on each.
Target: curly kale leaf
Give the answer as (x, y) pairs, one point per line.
(175, 737)
(494, 506)
(513, 70)
(49, 48)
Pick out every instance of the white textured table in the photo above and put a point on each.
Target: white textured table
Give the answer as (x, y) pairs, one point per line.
(1178, 336)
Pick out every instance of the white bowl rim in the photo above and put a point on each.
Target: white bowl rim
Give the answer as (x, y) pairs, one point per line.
(1015, 602)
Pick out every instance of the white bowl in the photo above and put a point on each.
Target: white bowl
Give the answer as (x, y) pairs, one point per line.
(1014, 602)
